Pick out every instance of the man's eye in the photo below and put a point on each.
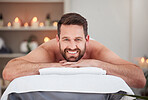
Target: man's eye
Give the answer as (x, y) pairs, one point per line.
(66, 39)
(78, 40)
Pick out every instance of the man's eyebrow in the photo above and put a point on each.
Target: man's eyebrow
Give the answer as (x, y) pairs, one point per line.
(80, 37)
(64, 37)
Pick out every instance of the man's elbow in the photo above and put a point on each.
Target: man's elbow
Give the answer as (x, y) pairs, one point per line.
(139, 79)
(8, 73)
(141, 82)
(5, 75)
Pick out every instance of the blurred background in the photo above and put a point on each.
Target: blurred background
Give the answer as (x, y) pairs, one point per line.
(120, 25)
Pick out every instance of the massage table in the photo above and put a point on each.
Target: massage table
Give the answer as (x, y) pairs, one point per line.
(68, 84)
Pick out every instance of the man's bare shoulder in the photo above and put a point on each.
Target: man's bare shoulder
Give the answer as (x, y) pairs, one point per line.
(96, 49)
(50, 45)
(100, 52)
(44, 53)
(52, 49)
(95, 45)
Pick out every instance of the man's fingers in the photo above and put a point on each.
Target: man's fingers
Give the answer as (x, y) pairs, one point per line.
(69, 63)
(66, 63)
(75, 66)
(62, 61)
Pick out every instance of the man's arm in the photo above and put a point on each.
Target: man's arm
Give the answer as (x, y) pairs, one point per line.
(32, 62)
(114, 65)
(104, 58)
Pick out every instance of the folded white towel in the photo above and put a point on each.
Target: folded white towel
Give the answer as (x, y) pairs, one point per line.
(72, 71)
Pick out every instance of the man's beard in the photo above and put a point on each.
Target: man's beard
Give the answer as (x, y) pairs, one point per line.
(80, 54)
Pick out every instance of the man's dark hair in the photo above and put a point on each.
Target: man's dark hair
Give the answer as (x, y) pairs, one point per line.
(73, 19)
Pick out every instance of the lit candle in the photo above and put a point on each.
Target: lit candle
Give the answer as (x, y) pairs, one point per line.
(46, 39)
(142, 62)
(16, 23)
(146, 62)
(26, 25)
(55, 24)
(34, 22)
(41, 24)
(9, 25)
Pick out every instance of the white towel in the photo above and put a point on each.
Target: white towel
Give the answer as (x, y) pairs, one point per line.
(80, 83)
(72, 71)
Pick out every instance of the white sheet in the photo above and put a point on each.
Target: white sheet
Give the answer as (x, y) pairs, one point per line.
(72, 71)
(84, 83)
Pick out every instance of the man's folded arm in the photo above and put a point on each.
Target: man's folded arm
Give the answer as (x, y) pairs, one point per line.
(18, 68)
(114, 65)
(29, 64)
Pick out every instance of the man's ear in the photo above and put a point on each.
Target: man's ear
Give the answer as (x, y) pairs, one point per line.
(57, 38)
(87, 38)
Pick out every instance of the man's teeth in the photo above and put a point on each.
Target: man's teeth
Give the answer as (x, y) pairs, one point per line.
(72, 52)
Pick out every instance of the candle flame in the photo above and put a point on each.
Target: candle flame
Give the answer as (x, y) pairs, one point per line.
(142, 59)
(55, 24)
(16, 20)
(34, 19)
(147, 61)
(26, 24)
(9, 24)
(41, 24)
(46, 39)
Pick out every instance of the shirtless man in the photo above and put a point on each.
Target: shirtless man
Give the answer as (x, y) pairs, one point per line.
(72, 48)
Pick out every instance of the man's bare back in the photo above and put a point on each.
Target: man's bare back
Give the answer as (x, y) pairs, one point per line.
(93, 47)
(52, 47)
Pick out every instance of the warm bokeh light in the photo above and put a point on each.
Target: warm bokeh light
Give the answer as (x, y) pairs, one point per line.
(55, 24)
(147, 61)
(9, 24)
(34, 19)
(16, 19)
(41, 24)
(26, 24)
(46, 39)
(142, 60)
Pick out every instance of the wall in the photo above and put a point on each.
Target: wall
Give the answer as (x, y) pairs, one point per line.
(139, 28)
(121, 25)
(108, 22)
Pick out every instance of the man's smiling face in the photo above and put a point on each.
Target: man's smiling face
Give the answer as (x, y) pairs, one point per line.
(72, 42)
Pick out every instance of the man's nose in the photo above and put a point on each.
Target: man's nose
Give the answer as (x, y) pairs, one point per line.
(72, 45)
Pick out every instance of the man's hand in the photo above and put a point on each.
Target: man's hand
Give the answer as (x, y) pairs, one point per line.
(81, 63)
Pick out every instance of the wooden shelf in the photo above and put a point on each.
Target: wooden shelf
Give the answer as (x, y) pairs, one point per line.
(13, 55)
(23, 1)
(28, 28)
